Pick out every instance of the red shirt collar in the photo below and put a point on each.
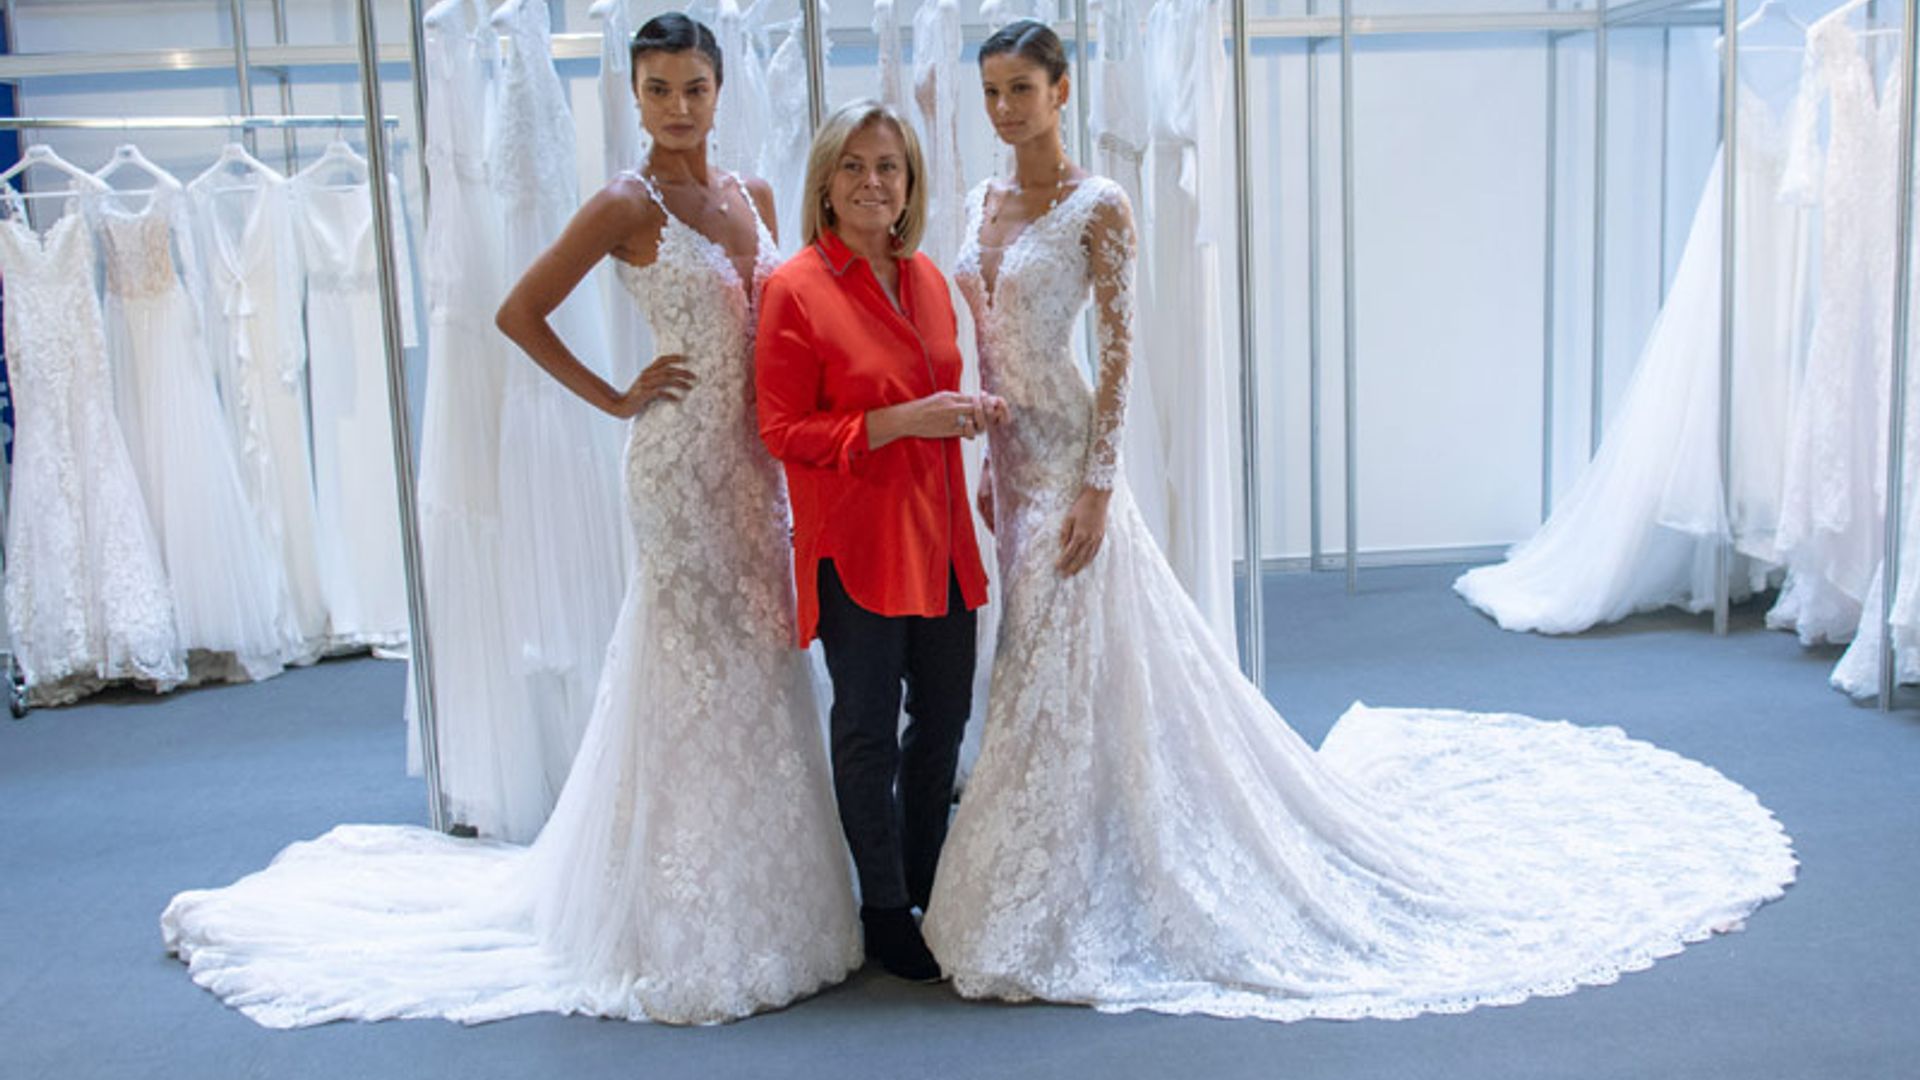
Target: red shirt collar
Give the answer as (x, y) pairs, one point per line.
(835, 252)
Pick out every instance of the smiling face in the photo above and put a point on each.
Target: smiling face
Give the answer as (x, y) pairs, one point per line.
(1022, 103)
(868, 188)
(676, 92)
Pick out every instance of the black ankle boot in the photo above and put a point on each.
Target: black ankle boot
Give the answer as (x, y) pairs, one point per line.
(893, 939)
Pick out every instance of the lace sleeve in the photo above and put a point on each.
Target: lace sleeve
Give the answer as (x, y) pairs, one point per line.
(1110, 265)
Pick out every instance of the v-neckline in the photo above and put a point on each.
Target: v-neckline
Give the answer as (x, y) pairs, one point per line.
(741, 282)
(992, 288)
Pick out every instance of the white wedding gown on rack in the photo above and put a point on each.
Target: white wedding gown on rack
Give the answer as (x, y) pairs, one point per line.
(629, 343)
(1832, 503)
(693, 871)
(1641, 528)
(355, 491)
(1142, 830)
(230, 596)
(559, 457)
(491, 770)
(244, 223)
(87, 596)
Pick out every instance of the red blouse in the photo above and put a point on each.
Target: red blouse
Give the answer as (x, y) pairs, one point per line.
(831, 346)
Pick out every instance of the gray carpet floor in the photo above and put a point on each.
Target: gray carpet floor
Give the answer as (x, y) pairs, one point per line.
(108, 808)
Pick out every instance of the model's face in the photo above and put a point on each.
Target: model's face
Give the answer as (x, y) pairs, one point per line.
(868, 190)
(676, 92)
(1021, 102)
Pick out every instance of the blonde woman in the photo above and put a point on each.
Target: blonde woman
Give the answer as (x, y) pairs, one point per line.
(858, 372)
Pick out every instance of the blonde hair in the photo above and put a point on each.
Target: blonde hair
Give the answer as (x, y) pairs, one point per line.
(830, 142)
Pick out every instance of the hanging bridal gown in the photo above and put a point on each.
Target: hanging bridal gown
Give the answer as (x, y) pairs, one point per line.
(1120, 138)
(783, 157)
(87, 598)
(356, 505)
(1182, 338)
(937, 42)
(743, 116)
(1641, 527)
(1831, 516)
(629, 344)
(559, 457)
(1144, 831)
(230, 597)
(491, 770)
(693, 871)
(892, 88)
(259, 350)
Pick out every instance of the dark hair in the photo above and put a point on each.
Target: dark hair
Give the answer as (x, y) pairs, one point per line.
(674, 32)
(1032, 41)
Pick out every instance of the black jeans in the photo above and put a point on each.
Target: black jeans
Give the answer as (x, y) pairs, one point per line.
(894, 789)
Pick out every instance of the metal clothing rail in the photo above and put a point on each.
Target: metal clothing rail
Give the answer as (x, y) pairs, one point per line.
(185, 123)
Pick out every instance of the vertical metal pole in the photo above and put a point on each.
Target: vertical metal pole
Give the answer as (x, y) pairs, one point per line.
(1729, 192)
(243, 67)
(416, 42)
(397, 407)
(810, 24)
(1548, 276)
(1596, 404)
(1350, 371)
(1083, 123)
(1315, 549)
(1666, 139)
(289, 142)
(1902, 328)
(1252, 633)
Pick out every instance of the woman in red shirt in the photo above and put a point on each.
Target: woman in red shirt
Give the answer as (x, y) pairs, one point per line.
(858, 376)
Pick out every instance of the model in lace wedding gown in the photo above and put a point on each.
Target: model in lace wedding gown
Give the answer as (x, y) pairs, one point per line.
(1642, 527)
(87, 598)
(693, 870)
(1142, 830)
(230, 597)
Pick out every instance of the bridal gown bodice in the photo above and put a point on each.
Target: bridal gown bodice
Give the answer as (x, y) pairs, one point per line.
(87, 595)
(692, 870)
(1142, 830)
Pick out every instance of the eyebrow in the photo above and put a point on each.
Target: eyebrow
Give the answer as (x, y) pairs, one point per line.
(655, 80)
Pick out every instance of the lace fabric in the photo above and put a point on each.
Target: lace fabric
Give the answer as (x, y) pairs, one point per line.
(1143, 831)
(693, 870)
(87, 594)
(1831, 506)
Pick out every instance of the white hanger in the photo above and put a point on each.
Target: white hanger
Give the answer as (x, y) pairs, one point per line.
(339, 166)
(1848, 8)
(128, 156)
(42, 154)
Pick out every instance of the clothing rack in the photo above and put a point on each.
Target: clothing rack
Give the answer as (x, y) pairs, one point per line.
(184, 123)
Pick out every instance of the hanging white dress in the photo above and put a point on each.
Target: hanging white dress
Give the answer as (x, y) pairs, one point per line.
(259, 349)
(783, 156)
(629, 343)
(559, 457)
(1183, 338)
(1641, 528)
(230, 598)
(891, 90)
(1121, 134)
(937, 41)
(355, 493)
(693, 871)
(1143, 831)
(1831, 506)
(491, 771)
(742, 117)
(87, 597)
